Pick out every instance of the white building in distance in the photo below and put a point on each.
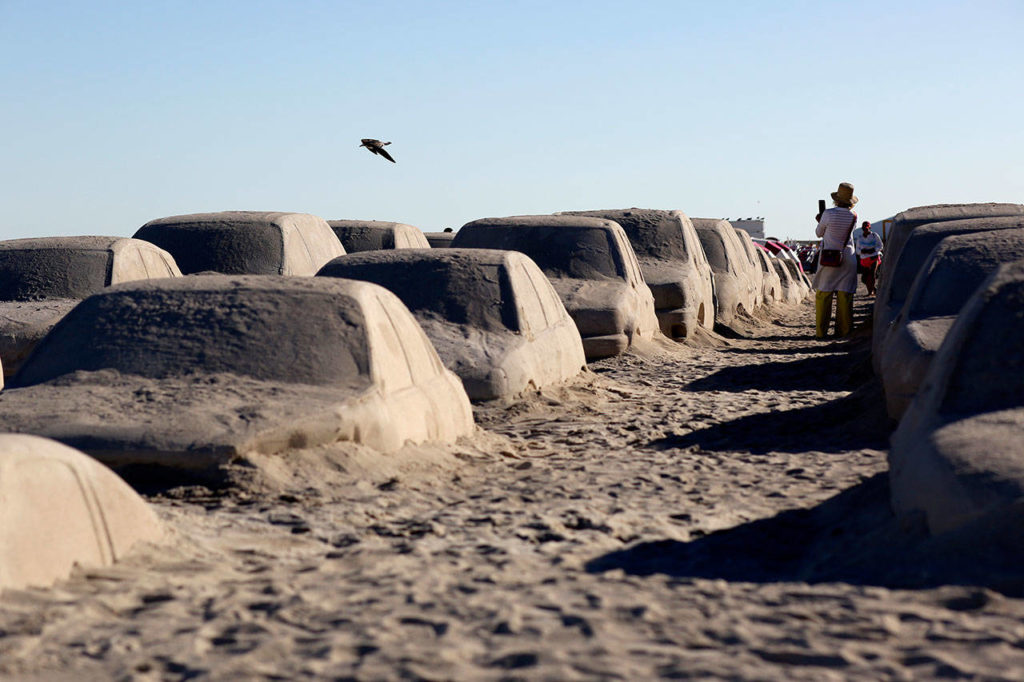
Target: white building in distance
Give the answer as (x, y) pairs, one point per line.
(752, 226)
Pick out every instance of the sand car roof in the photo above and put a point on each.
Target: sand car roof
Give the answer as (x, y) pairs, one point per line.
(75, 267)
(563, 246)
(98, 518)
(922, 240)
(957, 267)
(245, 242)
(439, 240)
(921, 215)
(371, 235)
(462, 286)
(293, 330)
(906, 222)
(653, 233)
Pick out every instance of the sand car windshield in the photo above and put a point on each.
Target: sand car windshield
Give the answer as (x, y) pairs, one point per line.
(655, 237)
(714, 248)
(40, 274)
(564, 251)
(474, 294)
(291, 337)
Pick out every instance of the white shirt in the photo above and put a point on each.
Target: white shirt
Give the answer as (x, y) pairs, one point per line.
(868, 246)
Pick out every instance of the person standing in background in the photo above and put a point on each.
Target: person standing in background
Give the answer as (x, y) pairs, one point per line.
(869, 251)
(839, 280)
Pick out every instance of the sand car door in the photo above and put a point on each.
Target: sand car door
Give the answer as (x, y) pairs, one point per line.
(426, 396)
(554, 331)
(391, 371)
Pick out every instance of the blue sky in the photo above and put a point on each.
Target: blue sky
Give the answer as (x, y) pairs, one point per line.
(115, 113)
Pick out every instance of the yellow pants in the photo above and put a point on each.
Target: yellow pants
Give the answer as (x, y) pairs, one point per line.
(823, 312)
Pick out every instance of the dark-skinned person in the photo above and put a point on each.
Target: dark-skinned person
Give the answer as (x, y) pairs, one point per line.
(869, 252)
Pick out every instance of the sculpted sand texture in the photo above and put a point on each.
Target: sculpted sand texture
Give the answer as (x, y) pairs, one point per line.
(734, 288)
(673, 264)
(901, 272)
(590, 264)
(958, 455)
(59, 508)
(717, 511)
(773, 292)
(245, 242)
(754, 267)
(439, 240)
(370, 235)
(195, 372)
(905, 222)
(955, 269)
(493, 316)
(42, 279)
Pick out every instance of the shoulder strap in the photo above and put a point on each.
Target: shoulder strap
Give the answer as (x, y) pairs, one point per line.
(853, 224)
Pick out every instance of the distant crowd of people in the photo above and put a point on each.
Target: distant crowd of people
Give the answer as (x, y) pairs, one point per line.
(838, 260)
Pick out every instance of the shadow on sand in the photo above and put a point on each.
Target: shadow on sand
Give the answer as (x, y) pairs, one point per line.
(853, 422)
(819, 373)
(852, 538)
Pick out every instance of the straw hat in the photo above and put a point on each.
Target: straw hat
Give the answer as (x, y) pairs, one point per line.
(844, 194)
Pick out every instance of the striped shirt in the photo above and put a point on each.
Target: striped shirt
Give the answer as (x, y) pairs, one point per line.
(834, 228)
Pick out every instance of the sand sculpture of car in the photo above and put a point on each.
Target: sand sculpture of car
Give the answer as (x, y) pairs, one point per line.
(899, 228)
(493, 316)
(673, 264)
(793, 264)
(191, 373)
(903, 269)
(590, 264)
(59, 508)
(734, 286)
(955, 269)
(245, 242)
(792, 290)
(958, 454)
(42, 279)
(371, 235)
(897, 231)
(747, 245)
(772, 291)
(439, 240)
(790, 258)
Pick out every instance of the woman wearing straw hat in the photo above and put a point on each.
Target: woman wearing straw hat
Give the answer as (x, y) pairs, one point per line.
(837, 266)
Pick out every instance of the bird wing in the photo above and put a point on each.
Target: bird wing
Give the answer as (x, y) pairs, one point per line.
(384, 152)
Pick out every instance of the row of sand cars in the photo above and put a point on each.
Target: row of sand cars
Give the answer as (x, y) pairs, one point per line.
(108, 349)
(948, 344)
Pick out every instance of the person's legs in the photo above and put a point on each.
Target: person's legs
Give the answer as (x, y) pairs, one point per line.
(844, 313)
(869, 278)
(822, 313)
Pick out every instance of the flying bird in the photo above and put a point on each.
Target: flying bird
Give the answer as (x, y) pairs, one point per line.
(377, 147)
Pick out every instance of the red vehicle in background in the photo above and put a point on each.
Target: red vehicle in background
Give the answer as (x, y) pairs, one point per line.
(780, 249)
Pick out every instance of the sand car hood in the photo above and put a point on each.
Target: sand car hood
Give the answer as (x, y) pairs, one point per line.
(495, 365)
(669, 283)
(598, 307)
(477, 356)
(196, 421)
(24, 323)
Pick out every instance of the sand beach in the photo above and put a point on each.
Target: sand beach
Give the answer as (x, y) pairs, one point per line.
(703, 511)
